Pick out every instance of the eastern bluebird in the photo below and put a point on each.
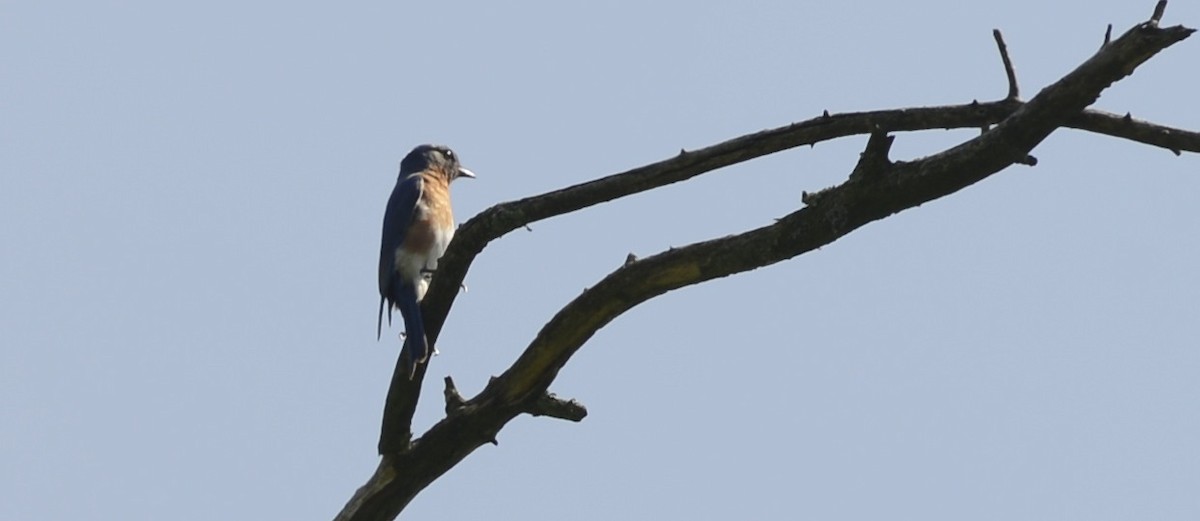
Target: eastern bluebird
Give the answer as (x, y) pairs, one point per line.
(417, 227)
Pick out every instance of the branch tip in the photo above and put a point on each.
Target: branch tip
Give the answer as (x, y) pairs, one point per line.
(1013, 90)
(454, 400)
(550, 405)
(1159, 9)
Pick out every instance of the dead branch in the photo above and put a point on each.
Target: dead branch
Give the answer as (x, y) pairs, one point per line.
(879, 189)
(1014, 91)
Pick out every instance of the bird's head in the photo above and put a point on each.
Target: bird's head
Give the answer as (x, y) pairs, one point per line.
(434, 157)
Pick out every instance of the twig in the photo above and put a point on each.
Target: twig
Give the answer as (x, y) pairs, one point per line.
(454, 400)
(874, 158)
(1127, 127)
(1159, 9)
(550, 405)
(1014, 91)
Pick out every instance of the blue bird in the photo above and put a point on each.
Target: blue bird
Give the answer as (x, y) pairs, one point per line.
(417, 227)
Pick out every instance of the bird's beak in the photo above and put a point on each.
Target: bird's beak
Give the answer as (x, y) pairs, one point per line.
(463, 172)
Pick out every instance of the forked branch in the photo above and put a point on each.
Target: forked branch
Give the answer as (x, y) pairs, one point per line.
(878, 189)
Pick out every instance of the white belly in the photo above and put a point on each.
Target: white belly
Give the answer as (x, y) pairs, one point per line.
(417, 266)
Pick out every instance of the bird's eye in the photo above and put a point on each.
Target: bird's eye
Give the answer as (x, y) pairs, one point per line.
(449, 153)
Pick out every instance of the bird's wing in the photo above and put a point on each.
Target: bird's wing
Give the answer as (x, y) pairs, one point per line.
(397, 219)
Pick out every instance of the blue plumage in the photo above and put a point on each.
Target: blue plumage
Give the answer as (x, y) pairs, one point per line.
(417, 227)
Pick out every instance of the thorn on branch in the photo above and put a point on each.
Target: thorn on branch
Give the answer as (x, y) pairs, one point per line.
(527, 228)
(1013, 90)
(630, 259)
(550, 405)
(1177, 151)
(454, 400)
(1107, 37)
(1159, 9)
(1028, 161)
(1128, 117)
(825, 114)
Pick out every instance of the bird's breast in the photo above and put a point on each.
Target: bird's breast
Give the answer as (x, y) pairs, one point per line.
(430, 233)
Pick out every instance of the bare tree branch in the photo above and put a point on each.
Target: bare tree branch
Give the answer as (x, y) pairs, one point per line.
(1159, 9)
(840, 210)
(874, 158)
(454, 400)
(1127, 127)
(503, 218)
(1014, 91)
(877, 189)
(550, 405)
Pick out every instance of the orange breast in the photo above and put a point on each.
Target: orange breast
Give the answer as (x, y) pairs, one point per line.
(433, 219)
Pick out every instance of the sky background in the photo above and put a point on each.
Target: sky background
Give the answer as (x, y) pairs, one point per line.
(190, 203)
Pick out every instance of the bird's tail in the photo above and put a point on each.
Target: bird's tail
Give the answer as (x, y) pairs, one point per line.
(379, 323)
(416, 345)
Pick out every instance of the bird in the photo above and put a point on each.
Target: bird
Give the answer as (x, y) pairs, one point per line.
(417, 226)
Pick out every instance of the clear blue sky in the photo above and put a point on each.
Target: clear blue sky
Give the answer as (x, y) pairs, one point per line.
(190, 201)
